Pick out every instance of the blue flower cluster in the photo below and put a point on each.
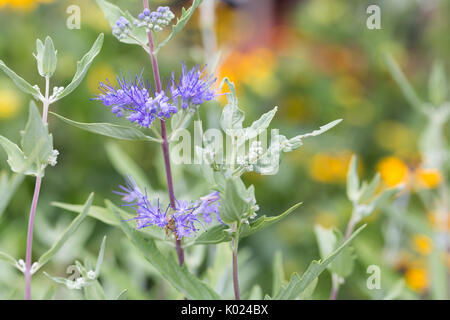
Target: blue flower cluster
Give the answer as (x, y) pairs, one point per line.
(193, 88)
(133, 99)
(180, 220)
(154, 20)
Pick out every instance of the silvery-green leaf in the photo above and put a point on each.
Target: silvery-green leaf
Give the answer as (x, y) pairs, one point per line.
(113, 12)
(298, 284)
(82, 68)
(59, 280)
(66, 234)
(437, 86)
(368, 191)
(256, 293)
(20, 82)
(96, 212)
(232, 117)
(278, 275)
(353, 180)
(123, 295)
(234, 204)
(8, 259)
(36, 133)
(219, 233)
(181, 23)
(101, 254)
(263, 222)
(308, 292)
(269, 163)
(16, 158)
(403, 83)
(343, 264)
(110, 130)
(258, 126)
(8, 186)
(297, 141)
(126, 166)
(179, 277)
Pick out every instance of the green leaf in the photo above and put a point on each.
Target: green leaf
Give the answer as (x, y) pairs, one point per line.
(278, 276)
(219, 233)
(8, 186)
(297, 285)
(368, 191)
(437, 86)
(256, 293)
(96, 212)
(16, 158)
(263, 222)
(101, 254)
(123, 295)
(181, 23)
(258, 126)
(66, 234)
(297, 141)
(82, 68)
(308, 292)
(438, 275)
(234, 205)
(49, 295)
(20, 82)
(36, 133)
(353, 180)
(214, 235)
(126, 166)
(8, 259)
(232, 117)
(179, 277)
(403, 83)
(110, 130)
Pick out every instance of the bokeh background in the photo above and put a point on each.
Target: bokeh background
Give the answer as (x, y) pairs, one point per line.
(317, 61)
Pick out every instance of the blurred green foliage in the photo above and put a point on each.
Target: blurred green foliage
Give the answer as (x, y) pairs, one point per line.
(321, 63)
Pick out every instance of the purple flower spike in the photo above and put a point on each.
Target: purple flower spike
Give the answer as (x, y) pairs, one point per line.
(133, 98)
(183, 219)
(193, 88)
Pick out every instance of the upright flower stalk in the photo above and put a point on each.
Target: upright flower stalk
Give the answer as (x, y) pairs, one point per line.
(37, 187)
(234, 248)
(165, 141)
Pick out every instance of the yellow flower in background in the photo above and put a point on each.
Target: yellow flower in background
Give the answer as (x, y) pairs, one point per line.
(393, 171)
(427, 178)
(99, 73)
(416, 279)
(22, 5)
(326, 219)
(330, 168)
(422, 244)
(9, 103)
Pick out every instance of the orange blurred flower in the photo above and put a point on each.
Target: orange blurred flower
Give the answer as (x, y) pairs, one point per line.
(422, 244)
(427, 178)
(393, 171)
(330, 168)
(416, 279)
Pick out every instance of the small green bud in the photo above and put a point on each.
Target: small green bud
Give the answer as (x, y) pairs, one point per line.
(46, 57)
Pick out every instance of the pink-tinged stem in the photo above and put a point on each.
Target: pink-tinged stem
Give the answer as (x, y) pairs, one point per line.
(37, 188)
(28, 260)
(165, 143)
